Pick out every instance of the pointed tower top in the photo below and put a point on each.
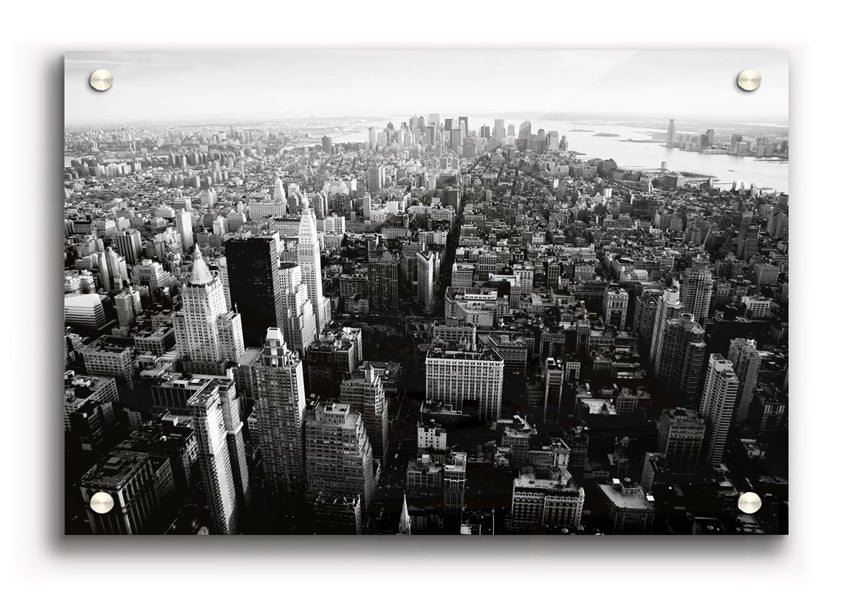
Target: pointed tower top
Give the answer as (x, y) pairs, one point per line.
(200, 272)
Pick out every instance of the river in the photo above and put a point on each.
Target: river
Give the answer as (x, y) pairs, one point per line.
(632, 155)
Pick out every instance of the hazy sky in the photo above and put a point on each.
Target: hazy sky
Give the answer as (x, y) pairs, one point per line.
(281, 83)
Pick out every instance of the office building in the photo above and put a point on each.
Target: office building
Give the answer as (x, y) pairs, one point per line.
(382, 284)
(214, 458)
(430, 436)
(748, 240)
(337, 514)
(280, 408)
(333, 357)
(553, 383)
(183, 219)
(170, 437)
(720, 393)
(616, 307)
(208, 335)
(545, 504)
(364, 393)
(299, 319)
(630, 509)
(426, 279)
(697, 285)
(111, 357)
(438, 480)
(668, 307)
(90, 404)
(746, 360)
(338, 453)
(252, 270)
(671, 133)
(309, 259)
(681, 432)
(128, 243)
(84, 311)
(681, 355)
(139, 485)
(464, 378)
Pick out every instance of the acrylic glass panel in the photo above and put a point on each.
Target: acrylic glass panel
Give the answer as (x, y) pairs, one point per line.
(426, 292)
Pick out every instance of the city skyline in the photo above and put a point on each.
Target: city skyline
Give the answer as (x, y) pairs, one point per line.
(279, 84)
(435, 325)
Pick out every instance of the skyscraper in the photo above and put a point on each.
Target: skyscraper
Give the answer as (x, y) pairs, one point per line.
(332, 358)
(184, 228)
(300, 322)
(208, 334)
(252, 268)
(279, 195)
(382, 291)
(214, 458)
(280, 407)
(616, 307)
(499, 129)
(364, 393)
(553, 381)
(426, 277)
(310, 261)
(681, 352)
(338, 453)
(746, 361)
(375, 178)
(671, 133)
(718, 406)
(235, 441)
(668, 307)
(697, 285)
(748, 240)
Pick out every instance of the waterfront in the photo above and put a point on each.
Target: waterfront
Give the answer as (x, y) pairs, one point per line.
(633, 155)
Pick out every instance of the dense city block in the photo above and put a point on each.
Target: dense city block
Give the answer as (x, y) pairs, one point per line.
(440, 329)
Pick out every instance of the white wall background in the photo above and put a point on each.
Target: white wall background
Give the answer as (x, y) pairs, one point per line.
(37, 559)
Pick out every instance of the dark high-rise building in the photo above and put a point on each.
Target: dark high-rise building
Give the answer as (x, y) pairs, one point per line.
(748, 240)
(252, 266)
(383, 284)
(680, 438)
(332, 358)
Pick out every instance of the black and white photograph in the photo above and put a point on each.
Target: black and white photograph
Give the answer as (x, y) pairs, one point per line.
(426, 292)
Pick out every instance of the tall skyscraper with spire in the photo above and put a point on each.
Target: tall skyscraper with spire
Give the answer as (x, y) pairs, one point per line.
(208, 334)
(309, 259)
(281, 404)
